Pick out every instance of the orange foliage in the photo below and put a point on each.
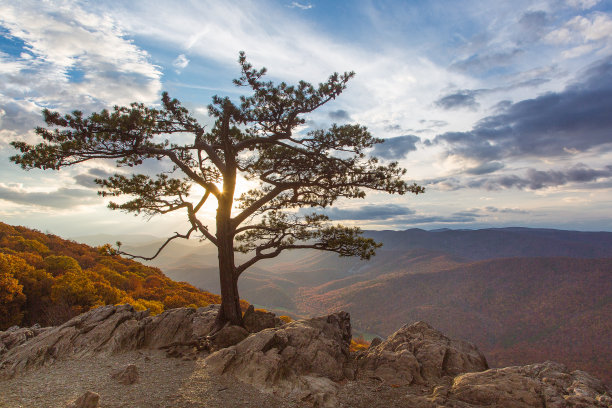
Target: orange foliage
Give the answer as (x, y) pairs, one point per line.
(285, 319)
(45, 279)
(359, 343)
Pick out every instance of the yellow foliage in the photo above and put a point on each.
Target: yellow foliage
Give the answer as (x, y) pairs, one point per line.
(285, 319)
(11, 292)
(359, 344)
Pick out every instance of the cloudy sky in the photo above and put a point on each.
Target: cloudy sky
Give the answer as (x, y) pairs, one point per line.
(502, 110)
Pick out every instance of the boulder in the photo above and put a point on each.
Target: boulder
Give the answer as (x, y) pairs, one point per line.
(418, 353)
(110, 329)
(88, 400)
(127, 375)
(375, 342)
(301, 359)
(548, 385)
(258, 320)
(226, 337)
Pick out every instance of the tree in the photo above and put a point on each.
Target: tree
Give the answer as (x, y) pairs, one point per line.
(258, 138)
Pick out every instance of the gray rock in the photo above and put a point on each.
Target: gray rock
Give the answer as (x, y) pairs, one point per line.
(375, 342)
(15, 336)
(301, 359)
(127, 375)
(227, 336)
(88, 400)
(548, 385)
(109, 329)
(418, 353)
(257, 320)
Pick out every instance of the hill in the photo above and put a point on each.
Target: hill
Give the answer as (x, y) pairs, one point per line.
(517, 310)
(493, 243)
(47, 280)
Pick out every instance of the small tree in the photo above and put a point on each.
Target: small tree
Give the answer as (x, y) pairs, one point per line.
(258, 139)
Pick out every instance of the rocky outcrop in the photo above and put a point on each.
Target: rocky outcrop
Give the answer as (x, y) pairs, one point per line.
(107, 329)
(301, 359)
(258, 320)
(226, 337)
(418, 353)
(15, 336)
(546, 385)
(307, 361)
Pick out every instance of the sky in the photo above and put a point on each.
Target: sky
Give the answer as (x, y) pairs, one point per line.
(501, 110)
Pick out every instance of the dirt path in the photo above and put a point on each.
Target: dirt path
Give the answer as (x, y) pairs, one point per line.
(164, 382)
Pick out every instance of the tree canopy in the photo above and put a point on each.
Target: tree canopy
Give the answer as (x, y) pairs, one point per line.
(258, 137)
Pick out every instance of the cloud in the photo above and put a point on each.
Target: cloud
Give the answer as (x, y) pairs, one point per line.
(396, 147)
(482, 63)
(485, 168)
(575, 119)
(539, 179)
(533, 20)
(461, 99)
(492, 209)
(455, 218)
(65, 57)
(596, 27)
(366, 212)
(582, 4)
(180, 62)
(62, 198)
(87, 179)
(339, 114)
(295, 4)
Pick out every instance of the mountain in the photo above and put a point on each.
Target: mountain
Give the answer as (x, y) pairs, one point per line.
(517, 310)
(521, 294)
(500, 242)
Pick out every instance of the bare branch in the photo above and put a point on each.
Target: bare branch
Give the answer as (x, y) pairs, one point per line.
(160, 249)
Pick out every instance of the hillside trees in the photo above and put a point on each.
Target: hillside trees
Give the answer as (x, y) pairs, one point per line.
(258, 138)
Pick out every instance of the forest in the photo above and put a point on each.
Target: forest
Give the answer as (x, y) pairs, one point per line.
(47, 280)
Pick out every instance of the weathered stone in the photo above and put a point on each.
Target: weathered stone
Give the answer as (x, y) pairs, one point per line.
(375, 342)
(418, 353)
(548, 385)
(127, 375)
(301, 359)
(88, 400)
(227, 336)
(15, 336)
(108, 329)
(258, 320)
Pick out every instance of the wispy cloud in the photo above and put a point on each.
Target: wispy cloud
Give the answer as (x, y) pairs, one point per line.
(295, 4)
(180, 62)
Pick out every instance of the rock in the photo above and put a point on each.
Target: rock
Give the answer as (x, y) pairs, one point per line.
(548, 385)
(258, 320)
(227, 336)
(88, 400)
(375, 342)
(183, 352)
(301, 359)
(418, 353)
(127, 375)
(108, 329)
(15, 336)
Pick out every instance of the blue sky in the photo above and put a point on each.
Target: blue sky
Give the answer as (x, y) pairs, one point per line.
(502, 110)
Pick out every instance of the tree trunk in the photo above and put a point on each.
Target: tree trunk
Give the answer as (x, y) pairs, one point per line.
(230, 300)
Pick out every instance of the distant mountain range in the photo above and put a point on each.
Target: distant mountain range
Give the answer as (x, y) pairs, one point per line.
(520, 294)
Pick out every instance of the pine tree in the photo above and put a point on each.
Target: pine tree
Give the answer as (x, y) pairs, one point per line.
(257, 138)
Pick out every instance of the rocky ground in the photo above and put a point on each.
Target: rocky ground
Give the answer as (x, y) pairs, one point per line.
(129, 359)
